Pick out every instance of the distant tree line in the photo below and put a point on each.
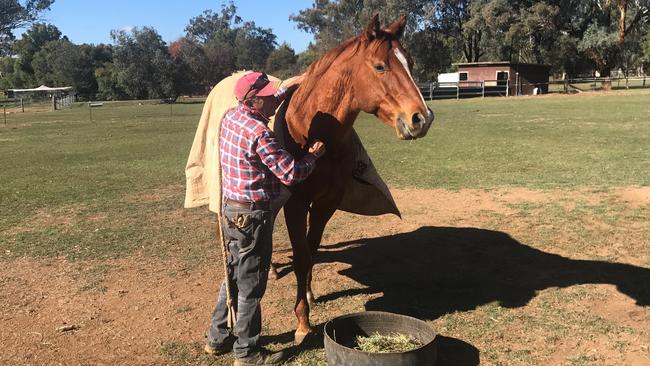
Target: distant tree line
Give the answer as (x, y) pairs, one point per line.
(139, 64)
(575, 37)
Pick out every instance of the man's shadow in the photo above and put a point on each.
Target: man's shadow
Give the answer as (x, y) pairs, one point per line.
(438, 270)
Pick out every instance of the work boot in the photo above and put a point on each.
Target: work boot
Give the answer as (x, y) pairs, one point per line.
(263, 357)
(217, 349)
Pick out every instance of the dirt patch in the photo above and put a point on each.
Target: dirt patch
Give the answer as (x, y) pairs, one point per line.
(62, 217)
(157, 195)
(635, 196)
(467, 261)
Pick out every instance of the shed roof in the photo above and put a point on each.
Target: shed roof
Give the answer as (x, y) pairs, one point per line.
(41, 88)
(497, 63)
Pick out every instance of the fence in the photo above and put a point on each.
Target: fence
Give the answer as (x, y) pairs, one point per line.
(505, 88)
(465, 89)
(64, 101)
(19, 105)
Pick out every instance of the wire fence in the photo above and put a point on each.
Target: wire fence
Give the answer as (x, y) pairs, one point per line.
(506, 88)
(27, 104)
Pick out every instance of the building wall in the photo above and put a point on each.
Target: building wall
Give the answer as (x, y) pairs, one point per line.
(480, 73)
(529, 78)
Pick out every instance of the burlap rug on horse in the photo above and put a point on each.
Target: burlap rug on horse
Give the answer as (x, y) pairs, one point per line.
(366, 194)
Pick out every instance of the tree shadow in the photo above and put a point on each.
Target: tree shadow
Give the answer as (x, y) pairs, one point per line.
(434, 271)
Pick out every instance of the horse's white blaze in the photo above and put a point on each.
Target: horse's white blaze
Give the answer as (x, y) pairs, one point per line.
(402, 60)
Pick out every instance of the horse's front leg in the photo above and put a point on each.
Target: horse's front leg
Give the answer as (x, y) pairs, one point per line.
(295, 215)
(276, 205)
(320, 213)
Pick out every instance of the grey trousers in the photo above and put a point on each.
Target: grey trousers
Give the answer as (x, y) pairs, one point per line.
(250, 248)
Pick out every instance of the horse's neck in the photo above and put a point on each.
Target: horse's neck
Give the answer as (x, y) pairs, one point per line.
(326, 114)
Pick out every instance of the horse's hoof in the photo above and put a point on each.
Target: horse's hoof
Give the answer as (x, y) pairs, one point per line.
(300, 336)
(273, 273)
(311, 300)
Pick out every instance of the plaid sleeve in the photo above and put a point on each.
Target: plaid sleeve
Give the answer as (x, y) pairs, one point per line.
(281, 94)
(280, 162)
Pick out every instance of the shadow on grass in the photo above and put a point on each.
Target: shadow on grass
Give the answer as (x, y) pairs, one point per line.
(451, 351)
(438, 270)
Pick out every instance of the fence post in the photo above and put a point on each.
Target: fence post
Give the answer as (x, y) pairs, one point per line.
(22, 105)
(483, 89)
(507, 88)
(457, 90)
(431, 91)
(4, 108)
(90, 108)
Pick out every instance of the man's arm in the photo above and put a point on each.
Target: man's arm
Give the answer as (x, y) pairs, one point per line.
(282, 164)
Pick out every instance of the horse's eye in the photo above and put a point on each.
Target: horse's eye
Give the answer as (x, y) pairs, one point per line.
(380, 68)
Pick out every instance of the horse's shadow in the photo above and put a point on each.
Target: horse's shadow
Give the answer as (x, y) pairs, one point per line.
(438, 270)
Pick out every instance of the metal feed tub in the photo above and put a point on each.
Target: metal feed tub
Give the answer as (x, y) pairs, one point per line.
(341, 334)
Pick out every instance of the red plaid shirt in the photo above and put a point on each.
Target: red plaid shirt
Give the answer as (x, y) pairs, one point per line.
(253, 164)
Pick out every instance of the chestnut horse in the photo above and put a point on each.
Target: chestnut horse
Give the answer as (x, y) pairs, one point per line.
(369, 73)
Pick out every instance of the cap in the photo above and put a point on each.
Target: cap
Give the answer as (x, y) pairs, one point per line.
(254, 84)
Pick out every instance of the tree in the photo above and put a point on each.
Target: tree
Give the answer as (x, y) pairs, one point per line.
(32, 41)
(14, 15)
(332, 22)
(646, 51)
(600, 43)
(62, 63)
(108, 85)
(282, 62)
(190, 65)
(253, 45)
(228, 43)
(12, 76)
(144, 65)
(206, 26)
(640, 8)
(431, 53)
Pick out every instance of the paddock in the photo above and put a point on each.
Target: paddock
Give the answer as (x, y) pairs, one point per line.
(523, 239)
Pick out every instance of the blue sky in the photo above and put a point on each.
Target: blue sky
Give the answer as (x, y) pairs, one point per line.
(91, 21)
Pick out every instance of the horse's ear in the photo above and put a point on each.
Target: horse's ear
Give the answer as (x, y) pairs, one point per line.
(397, 28)
(372, 29)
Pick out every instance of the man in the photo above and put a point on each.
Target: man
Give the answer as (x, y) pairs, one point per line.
(254, 166)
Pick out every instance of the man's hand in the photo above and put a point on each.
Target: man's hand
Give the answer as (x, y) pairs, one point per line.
(317, 149)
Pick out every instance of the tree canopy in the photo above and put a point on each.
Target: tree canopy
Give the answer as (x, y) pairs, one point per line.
(15, 14)
(575, 37)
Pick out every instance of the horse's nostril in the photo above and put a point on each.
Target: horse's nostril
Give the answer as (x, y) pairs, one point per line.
(417, 119)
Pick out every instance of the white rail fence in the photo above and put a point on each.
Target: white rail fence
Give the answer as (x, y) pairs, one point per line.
(505, 88)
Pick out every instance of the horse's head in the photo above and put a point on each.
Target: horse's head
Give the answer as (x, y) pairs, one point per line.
(383, 82)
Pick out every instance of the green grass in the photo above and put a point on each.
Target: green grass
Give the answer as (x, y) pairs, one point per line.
(544, 142)
(104, 189)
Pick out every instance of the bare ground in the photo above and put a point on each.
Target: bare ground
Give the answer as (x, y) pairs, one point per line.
(508, 276)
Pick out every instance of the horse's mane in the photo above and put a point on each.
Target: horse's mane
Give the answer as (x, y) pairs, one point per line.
(316, 70)
(343, 52)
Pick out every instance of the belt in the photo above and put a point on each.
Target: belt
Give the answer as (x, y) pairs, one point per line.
(263, 205)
